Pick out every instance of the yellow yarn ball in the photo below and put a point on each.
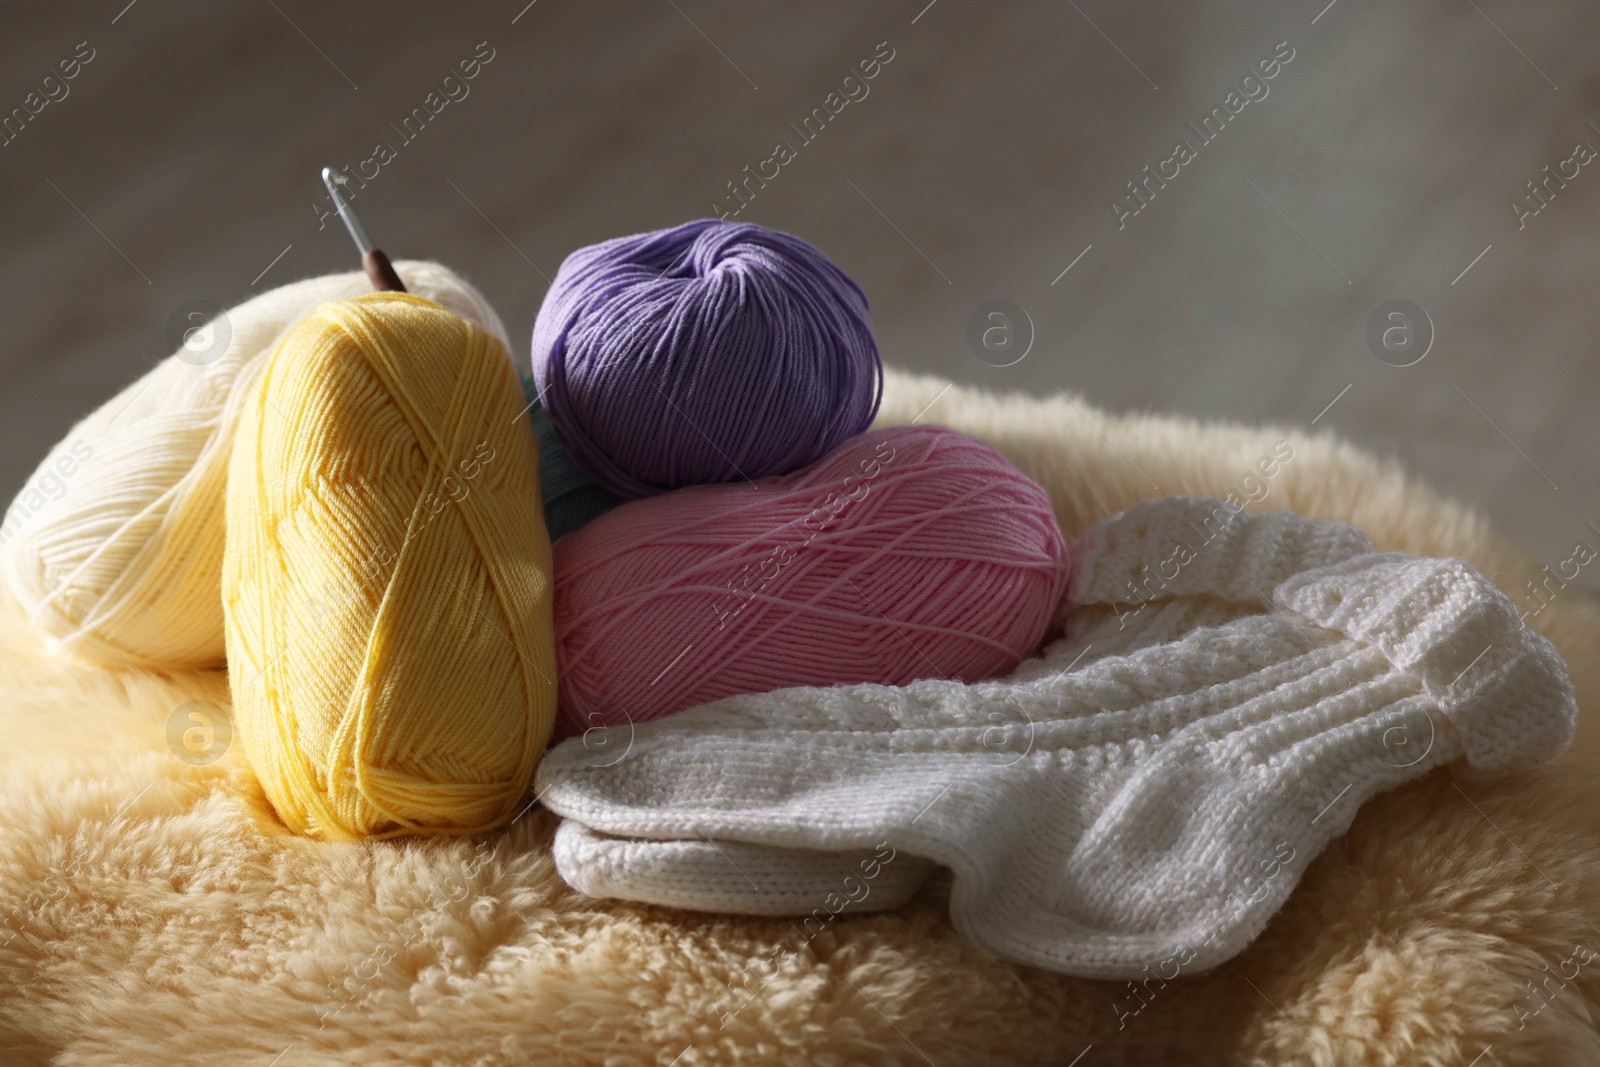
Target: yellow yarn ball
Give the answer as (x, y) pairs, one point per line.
(386, 577)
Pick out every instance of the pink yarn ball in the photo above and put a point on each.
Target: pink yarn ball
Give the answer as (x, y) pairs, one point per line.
(906, 553)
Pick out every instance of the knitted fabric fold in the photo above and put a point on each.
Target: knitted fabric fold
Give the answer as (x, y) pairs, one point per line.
(1140, 799)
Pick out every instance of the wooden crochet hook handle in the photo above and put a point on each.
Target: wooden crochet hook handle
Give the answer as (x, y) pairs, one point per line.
(380, 272)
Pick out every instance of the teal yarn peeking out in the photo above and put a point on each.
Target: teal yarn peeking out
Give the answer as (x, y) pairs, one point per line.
(571, 499)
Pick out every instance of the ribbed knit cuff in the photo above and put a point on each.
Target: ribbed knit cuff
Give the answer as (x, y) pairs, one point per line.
(1181, 546)
(1504, 686)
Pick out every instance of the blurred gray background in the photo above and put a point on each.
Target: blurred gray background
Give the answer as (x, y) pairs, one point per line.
(1381, 165)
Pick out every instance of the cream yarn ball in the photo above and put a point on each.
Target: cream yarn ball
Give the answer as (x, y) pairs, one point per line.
(123, 566)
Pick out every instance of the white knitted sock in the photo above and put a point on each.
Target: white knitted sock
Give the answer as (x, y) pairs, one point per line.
(1145, 796)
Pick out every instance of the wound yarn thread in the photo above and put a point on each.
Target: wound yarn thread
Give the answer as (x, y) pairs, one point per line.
(386, 582)
(906, 553)
(708, 352)
(122, 567)
(571, 499)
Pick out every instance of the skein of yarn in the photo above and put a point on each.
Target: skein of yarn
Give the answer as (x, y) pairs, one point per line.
(122, 565)
(906, 553)
(571, 499)
(710, 352)
(386, 581)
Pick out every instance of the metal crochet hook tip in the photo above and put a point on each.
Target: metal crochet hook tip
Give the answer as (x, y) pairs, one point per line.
(379, 270)
(352, 222)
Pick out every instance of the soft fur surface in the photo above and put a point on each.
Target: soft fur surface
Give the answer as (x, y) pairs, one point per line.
(157, 913)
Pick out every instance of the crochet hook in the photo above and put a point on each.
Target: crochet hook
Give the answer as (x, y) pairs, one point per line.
(379, 270)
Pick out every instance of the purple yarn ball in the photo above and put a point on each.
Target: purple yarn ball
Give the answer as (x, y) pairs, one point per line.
(709, 352)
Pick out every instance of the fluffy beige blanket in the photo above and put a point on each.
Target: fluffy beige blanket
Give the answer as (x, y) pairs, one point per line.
(154, 912)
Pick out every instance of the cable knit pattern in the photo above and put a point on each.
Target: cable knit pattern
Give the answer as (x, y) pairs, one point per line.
(1144, 796)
